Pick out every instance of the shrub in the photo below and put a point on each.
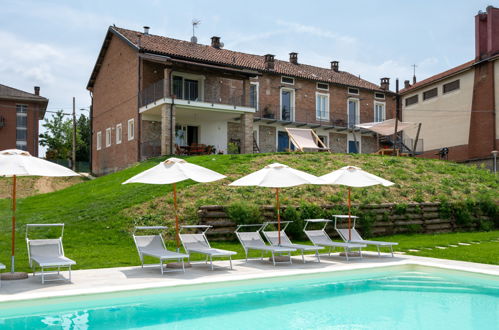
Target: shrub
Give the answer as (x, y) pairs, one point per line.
(400, 208)
(295, 228)
(244, 213)
(311, 211)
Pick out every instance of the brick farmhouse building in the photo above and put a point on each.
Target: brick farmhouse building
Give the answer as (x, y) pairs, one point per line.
(153, 95)
(458, 107)
(20, 113)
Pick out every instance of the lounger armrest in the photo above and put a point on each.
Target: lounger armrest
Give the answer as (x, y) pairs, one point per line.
(213, 252)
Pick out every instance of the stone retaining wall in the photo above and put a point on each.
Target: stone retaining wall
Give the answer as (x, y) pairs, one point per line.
(389, 219)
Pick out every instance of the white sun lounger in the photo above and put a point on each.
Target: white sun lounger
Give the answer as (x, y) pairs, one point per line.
(48, 254)
(154, 246)
(273, 238)
(198, 243)
(356, 238)
(252, 240)
(321, 238)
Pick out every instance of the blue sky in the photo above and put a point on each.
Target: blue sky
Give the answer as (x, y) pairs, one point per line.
(54, 44)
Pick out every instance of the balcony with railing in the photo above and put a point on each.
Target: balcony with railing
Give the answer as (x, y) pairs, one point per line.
(195, 93)
(300, 117)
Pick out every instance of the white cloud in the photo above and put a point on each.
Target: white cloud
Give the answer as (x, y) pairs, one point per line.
(316, 31)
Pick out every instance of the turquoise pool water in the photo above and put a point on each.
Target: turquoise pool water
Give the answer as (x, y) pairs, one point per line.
(391, 298)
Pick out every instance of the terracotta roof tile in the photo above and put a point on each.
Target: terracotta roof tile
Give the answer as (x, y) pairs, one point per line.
(13, 93)
(438, 76)
(204, 53)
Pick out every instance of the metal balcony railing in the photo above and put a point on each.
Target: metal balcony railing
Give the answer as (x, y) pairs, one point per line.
(192, 93)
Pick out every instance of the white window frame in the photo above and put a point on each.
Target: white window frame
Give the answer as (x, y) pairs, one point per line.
(98, 140)
(23, 143)
(293, 99)
(257, 84)
(326, 117)
(109, 136)
(131, 131)
(322, 89)
(184, 75)
(348, 90)
(119, 133)
(357, 111)
(379, 98)
(287, 83)
(384, 111)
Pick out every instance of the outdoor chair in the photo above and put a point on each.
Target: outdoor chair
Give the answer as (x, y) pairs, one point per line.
(198, 243)
(253, 241)
(273, 238)
(154, 246)
(321, 238)
(356, 238)
(48, 254)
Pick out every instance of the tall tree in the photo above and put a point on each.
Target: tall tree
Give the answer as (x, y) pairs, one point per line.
(58, 137)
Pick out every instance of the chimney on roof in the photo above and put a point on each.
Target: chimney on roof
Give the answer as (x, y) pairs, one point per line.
(269, 61)
(293, 58)
(215, 42)
(487, 33)
(335, 66)
(37, 90)
(385, 83)
(146, 30)
(407, 84)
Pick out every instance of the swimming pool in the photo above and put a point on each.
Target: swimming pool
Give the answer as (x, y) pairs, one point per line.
(408, 297)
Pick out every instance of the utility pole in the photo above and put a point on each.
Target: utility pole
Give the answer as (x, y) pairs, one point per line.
(73, 163)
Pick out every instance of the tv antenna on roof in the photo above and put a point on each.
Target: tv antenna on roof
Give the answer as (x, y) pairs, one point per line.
(195, 23)
(414, 73)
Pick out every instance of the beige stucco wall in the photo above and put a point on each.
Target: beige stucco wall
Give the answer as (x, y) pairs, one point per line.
(445, 118)
(496, 94)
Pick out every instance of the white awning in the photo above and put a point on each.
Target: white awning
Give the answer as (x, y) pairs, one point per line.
(386, 127)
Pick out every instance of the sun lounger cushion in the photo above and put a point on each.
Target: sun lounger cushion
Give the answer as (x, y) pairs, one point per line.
(48, 252)
(356, 238)
(253, 240)
(273, 238)
(197, 243)
(152, 245)
(319, 237)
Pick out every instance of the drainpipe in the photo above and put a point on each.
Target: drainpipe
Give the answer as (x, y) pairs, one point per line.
(90, 153)
(171, 125)
(139, 121)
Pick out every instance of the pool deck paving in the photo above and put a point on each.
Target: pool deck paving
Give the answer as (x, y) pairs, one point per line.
(105, 280)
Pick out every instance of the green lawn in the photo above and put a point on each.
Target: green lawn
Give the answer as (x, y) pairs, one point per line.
(100, 214)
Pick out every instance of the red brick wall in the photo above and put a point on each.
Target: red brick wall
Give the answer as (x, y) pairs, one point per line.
(115, 101)
(305, 99)
(482, 133)
(8, 132)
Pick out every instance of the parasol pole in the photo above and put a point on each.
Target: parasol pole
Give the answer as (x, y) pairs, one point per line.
(14, 183)
(278, 215)
(349, 215)
(175, 206)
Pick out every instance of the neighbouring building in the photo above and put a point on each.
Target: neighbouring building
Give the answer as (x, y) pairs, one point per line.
(152, 95)
(20, 113)
(457, 108)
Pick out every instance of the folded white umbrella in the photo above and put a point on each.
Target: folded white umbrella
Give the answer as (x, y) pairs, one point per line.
(277, 176)
(171, 171)
(14, 163)
(353, 176)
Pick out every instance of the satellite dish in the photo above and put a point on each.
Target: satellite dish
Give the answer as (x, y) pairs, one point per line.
(221, 45)
(194, 39)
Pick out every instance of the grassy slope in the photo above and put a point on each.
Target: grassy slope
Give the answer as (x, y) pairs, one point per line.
(99, 214)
